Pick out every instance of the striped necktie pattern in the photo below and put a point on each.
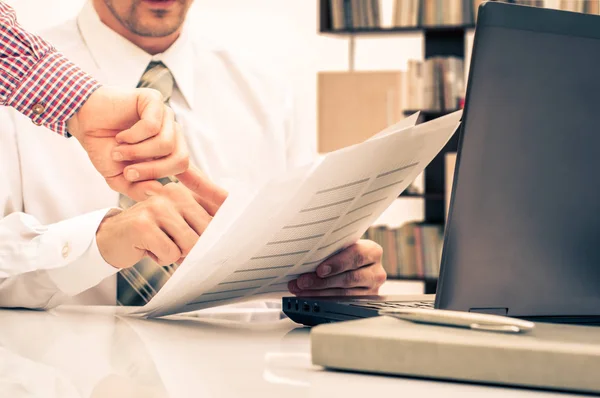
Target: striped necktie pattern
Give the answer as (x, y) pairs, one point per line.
(138, 284)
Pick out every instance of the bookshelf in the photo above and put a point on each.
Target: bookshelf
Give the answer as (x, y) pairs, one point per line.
(447, 40)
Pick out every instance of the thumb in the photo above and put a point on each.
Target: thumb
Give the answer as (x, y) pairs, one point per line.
(208, 194)
(145, 117)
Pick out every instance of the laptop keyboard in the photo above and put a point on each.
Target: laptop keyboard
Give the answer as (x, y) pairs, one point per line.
(382, 305)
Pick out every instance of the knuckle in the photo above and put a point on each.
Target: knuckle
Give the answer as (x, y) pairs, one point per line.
(171, 189)
(157, 201)
(150, 173)
(143, 219)
(152, 126)
(172, 254)
(194, 185)
(380, 277)
(166, 145)
(130, 152)
(357, 259)
(157, 204)
(152, 93)
(127, 152)
(175, 192)
(351, 278)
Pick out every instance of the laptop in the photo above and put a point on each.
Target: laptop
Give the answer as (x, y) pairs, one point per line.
(523, 232)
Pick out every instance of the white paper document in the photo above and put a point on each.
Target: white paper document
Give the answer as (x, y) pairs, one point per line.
(259, 241)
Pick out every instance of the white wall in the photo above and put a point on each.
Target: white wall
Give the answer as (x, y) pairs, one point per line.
(280, 32)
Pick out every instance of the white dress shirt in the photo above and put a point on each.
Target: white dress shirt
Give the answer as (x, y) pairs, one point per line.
(237, 122)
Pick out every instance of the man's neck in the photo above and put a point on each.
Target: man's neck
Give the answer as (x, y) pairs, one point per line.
(152, 45)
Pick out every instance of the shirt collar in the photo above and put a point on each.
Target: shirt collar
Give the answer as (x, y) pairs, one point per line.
(122, 63)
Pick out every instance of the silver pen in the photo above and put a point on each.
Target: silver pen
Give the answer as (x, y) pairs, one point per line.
(470, 320)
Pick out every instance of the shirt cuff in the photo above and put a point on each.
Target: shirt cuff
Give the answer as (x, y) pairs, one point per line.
(85, 267)
(52, 92)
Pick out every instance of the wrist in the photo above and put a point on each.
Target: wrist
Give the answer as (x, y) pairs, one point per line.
(104, 234)
(74, 123)
(73, 126)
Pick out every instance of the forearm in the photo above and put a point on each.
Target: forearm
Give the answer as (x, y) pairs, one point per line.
(37, 80)
(42, 266)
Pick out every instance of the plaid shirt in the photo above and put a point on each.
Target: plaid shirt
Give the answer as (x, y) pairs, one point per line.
(37, 80)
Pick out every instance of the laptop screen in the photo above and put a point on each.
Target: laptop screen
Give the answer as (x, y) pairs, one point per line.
(524, 226)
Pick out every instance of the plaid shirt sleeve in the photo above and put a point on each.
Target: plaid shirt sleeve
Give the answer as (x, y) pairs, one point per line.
(37, 80)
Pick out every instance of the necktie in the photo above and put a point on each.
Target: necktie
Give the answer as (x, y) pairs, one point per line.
(138, 284)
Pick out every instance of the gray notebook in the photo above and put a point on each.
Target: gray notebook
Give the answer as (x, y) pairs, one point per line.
(562, 357)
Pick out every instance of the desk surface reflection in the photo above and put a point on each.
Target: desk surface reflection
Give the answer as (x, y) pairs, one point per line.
(95, 352)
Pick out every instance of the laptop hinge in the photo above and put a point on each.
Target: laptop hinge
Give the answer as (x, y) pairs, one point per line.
(491, 311)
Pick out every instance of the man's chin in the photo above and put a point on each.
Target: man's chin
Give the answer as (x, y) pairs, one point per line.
(160, 27)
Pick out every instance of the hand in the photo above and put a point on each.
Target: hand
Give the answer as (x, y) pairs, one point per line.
(209, 195)
(355, 271)
(131, 138)
(164, 227)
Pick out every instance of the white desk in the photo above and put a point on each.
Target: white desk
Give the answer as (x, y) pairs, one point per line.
(92, 352)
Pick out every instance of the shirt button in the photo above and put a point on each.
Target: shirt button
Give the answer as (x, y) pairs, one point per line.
(38, 108)
(66, 250)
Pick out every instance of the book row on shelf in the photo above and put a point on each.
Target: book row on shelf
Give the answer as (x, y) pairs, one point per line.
(366, 14)
(411, 251)
(435, 12)
(436, 84)
(355, 14)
